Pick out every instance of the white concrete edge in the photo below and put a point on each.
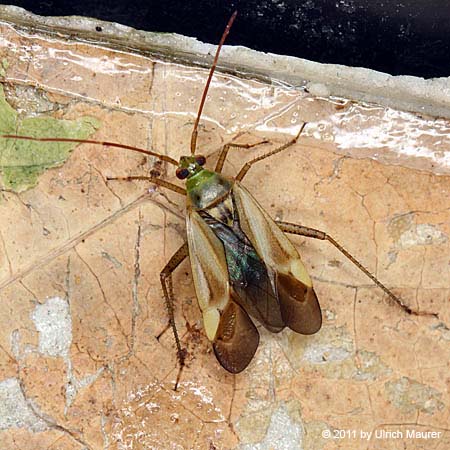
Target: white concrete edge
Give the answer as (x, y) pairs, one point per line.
(431, 96)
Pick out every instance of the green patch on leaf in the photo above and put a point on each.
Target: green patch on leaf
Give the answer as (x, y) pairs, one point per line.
(3, 67)
(22, 161)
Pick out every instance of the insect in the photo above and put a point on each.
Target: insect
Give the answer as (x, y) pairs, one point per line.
(243, 264)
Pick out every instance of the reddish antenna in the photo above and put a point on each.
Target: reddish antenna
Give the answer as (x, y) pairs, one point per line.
(141, 150)
(208, 82)
(90, 141)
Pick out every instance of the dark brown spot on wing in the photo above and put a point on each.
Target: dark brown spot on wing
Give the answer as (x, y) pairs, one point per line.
(299, 306)
(236, 340)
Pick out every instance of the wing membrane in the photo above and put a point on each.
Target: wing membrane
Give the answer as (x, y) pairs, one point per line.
(248, 274)
(237, 339)
(298, 302)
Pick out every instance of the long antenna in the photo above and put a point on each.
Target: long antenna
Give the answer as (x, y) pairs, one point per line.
(208, 82)
(88, 141)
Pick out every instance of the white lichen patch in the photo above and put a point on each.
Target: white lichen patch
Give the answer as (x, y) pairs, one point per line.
(422, 234)
(14, 410)
(370, 367)
(443, 329)
(409, 396)
(332, 344)
(332, 351)
(283, 433)
(407, 234)
(321, 354)
(53, 322)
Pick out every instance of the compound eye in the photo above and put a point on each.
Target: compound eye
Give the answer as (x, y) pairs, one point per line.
(200, 160)
(182, 173)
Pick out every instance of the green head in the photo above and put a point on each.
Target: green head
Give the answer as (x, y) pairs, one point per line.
(190, 166)
(203, 186)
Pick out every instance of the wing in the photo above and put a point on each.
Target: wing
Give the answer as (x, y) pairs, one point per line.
(247, 272)
(298, 302)
(234, 336)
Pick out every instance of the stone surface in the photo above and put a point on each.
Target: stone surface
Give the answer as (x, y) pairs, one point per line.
(80, 256)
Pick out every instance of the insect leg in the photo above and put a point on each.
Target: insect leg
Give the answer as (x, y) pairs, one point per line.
(250, 163)
(166, 283)
(301, 230)
(224, 152)
(158, 181)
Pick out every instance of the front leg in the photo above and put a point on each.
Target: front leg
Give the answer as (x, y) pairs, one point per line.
(246, 167)
(224, 152)
(158, 181)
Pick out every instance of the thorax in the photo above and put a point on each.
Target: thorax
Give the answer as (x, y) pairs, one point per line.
(211, 192)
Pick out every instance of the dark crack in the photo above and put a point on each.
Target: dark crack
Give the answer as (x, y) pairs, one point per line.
(49, 421)
(2, 240)
(135, 287)
(106, 184)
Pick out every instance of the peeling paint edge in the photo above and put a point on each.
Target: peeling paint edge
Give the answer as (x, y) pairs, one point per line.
(403, 92)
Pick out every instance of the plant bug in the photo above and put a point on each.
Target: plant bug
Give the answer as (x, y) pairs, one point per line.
(243, 265)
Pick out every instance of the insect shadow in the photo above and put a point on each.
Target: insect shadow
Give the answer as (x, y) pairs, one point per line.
(243, 265)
